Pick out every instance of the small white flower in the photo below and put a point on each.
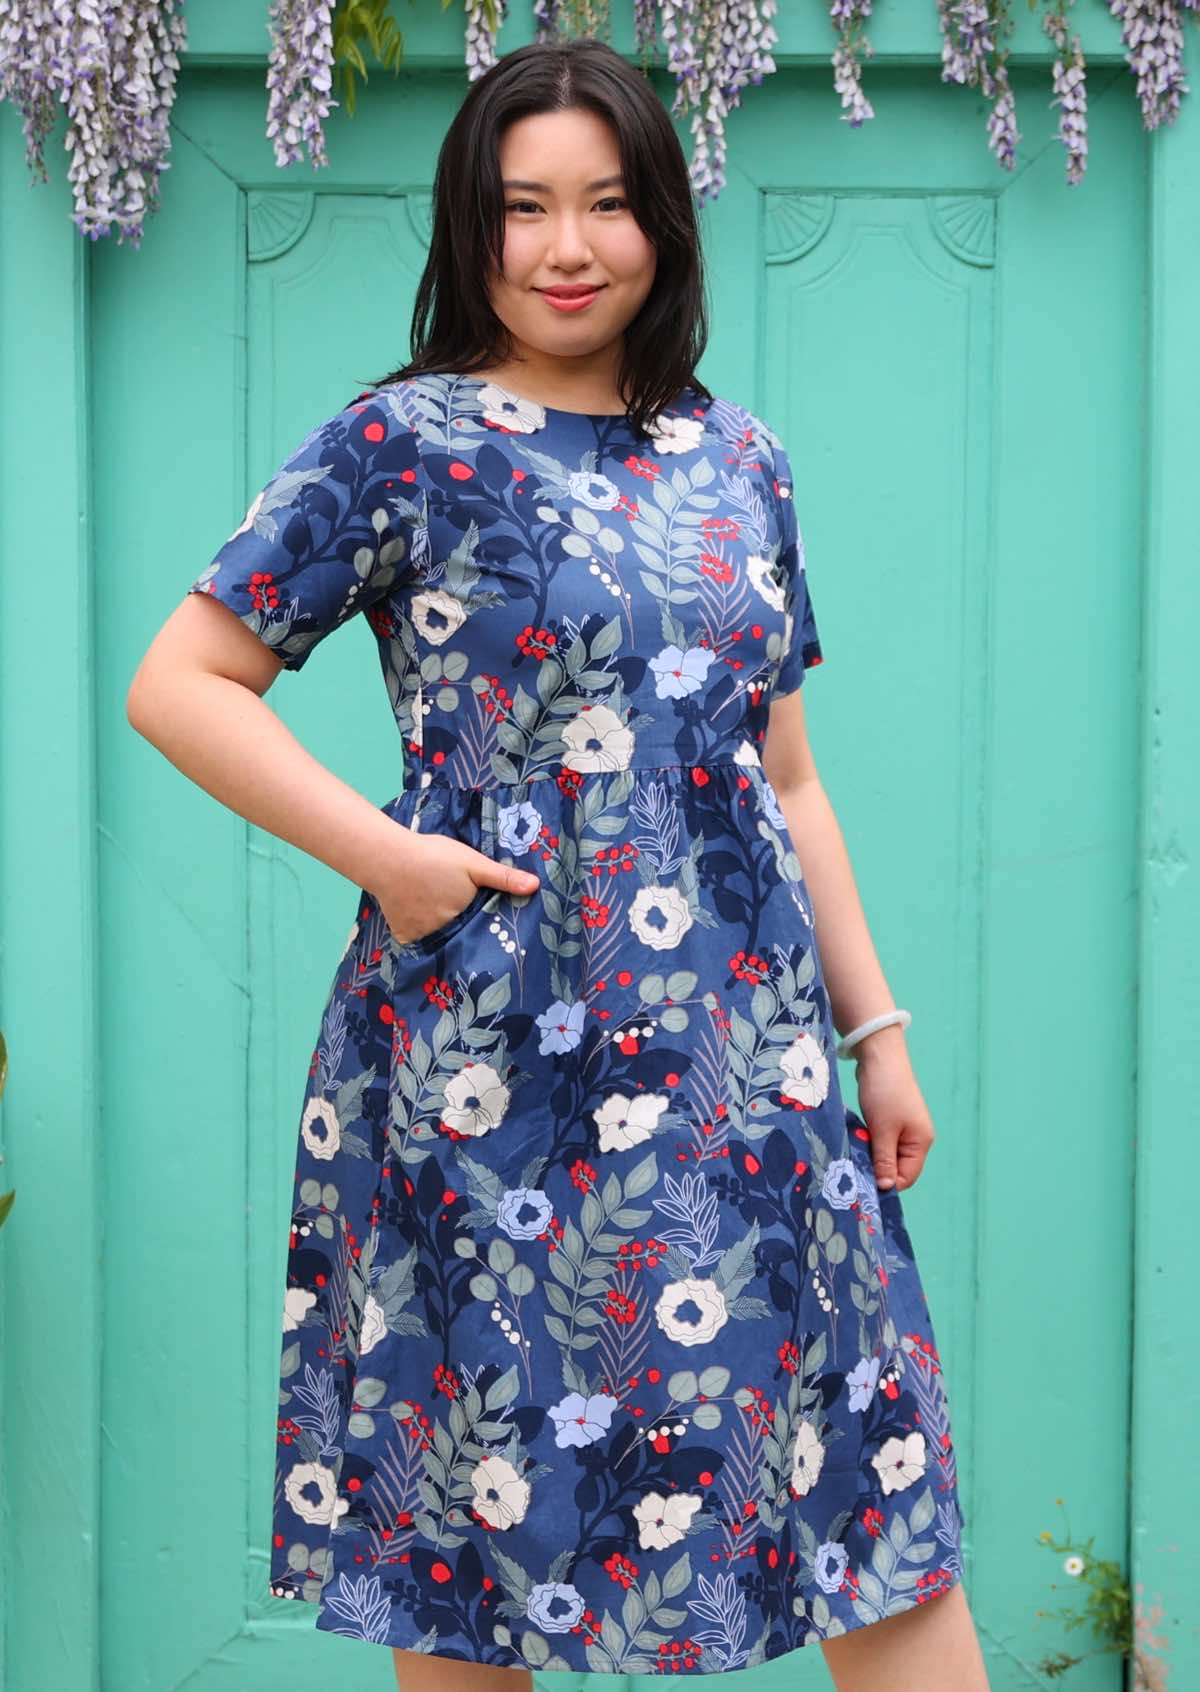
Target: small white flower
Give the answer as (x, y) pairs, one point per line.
(297, 1302)
(765, 581)
(597, 740)
(624, 1121)
(900, 1462)
(664, 1521)
(675, 434)
(691, 1311)
(326, 1506)
(476, 1100)
(1073, 1564)
(808, 1455)
(510, 411)
(322, 1142)
(501, 1496)
(806, 1069)
(374, 1325)
(672, 913)
(437, 615)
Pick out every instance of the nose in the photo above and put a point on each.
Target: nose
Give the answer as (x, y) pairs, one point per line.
(568, 246)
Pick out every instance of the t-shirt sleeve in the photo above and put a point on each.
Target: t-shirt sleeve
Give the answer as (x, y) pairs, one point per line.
(340, 524)
(801, 642)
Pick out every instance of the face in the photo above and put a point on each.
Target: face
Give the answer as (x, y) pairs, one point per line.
(567, 222)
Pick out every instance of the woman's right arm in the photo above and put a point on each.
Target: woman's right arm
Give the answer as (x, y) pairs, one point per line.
(197, 696)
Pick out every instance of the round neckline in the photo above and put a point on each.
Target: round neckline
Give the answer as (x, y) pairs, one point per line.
(550, 410)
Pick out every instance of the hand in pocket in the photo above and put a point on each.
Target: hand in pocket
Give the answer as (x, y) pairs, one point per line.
(436, 881)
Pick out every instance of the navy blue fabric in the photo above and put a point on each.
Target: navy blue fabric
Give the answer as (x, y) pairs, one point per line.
(601, 1349)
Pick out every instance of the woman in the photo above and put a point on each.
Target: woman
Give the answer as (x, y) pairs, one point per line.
(604, 1347)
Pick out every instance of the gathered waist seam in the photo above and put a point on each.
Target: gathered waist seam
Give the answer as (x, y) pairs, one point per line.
(436, 779)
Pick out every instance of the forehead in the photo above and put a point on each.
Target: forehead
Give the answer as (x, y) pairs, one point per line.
(573, 151)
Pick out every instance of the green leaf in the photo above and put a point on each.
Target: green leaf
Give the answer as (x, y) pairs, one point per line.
(678, 1577)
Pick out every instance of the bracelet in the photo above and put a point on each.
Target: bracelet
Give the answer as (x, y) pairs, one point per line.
(884, 1020)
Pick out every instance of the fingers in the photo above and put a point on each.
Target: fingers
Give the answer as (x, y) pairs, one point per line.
(897, 1161)
(488, 873)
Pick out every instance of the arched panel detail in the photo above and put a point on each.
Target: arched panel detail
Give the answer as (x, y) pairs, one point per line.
(965, 224)
(275, 222)
(795, 223)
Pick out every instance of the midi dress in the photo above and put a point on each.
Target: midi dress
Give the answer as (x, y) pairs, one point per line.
(601, 1350)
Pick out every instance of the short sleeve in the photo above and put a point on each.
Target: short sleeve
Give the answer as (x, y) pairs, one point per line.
(801, 642)
(340, 524)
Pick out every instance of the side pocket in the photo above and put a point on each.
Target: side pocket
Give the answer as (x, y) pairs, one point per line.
(475, 829)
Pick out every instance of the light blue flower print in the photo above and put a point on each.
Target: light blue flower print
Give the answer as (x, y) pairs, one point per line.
(600, 492)
(561, 1025)
(830, 1565)
(840, 1186)
(554, 1608)
(581, 1421)
(523, 1213)
(862, 1381)
(518, 826)
(868, 1194)
(678, 673)
(771, 805)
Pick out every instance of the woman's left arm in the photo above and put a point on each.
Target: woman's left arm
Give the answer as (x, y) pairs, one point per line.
(890, 1100)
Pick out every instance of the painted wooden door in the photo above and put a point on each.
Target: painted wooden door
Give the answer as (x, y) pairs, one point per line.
(917, 326)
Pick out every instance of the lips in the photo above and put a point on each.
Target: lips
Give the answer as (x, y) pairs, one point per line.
(575, 292)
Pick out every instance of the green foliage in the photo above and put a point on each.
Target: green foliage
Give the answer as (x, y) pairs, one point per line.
(1107, 1607)
(356, 22)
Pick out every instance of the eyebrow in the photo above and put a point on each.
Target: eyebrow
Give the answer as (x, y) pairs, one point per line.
(545, 188)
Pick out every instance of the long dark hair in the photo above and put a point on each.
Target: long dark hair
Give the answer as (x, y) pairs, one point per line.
(454, 328)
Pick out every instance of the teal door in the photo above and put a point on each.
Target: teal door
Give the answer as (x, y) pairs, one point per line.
(917, 325)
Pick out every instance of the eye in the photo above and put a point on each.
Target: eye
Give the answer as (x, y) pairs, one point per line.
(611, 200)
(516, 205)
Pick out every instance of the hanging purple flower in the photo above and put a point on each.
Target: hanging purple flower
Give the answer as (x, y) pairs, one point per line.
(1152, 34)
(713, 53)
(29, 32)
(299, 78)
(1070, 93)
(484, 18)
(849, 19)
(113, 64)
(971, 30)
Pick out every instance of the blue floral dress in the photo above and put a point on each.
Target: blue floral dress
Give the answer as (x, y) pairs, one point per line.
(601, 1349)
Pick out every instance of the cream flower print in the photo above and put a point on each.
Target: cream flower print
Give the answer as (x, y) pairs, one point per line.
(747, 753)
(664, 1521)
(806, 1069)
(808, 1454)
(509, 411)
(624, 1121)
(476, 1100)
(297, 1302)
(597, 739)
(675, 434)
(320, 1129)
(437, 615)
(501, 1496)
(672, 911)
(691, 1311)
(350, 939)
(766, 583)
(323, 1509)
(900, 1462)
(374, 1325)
